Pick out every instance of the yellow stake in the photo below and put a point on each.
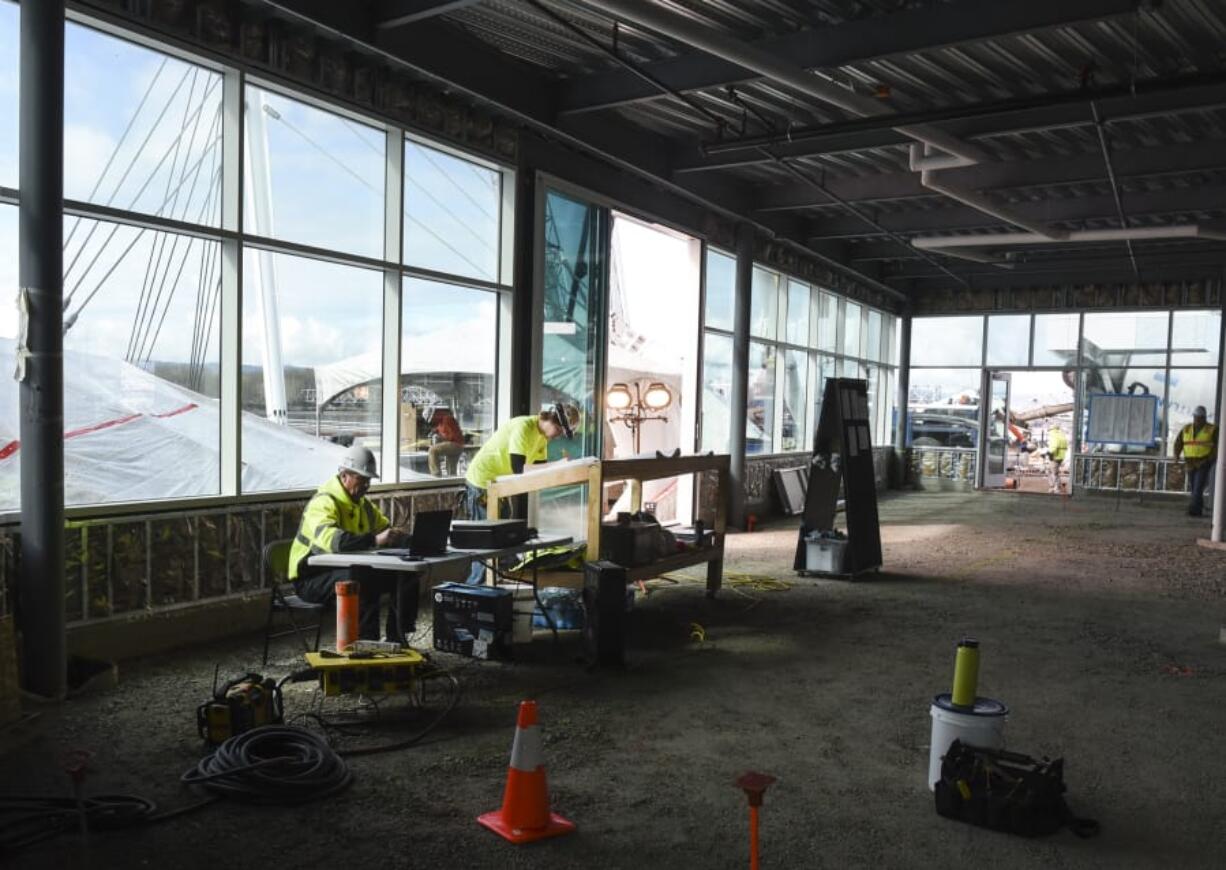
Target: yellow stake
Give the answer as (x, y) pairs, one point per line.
(966, 673)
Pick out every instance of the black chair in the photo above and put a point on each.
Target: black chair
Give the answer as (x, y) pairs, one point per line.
(283, 598)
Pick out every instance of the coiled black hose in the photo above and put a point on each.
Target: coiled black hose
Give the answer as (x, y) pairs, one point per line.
(272, 764)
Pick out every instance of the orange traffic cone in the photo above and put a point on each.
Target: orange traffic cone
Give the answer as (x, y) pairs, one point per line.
(525, 814)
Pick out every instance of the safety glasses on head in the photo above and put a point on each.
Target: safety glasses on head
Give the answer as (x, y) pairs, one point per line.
(560, 417)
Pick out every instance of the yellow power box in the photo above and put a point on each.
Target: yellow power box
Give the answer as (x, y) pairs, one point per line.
(378, 674)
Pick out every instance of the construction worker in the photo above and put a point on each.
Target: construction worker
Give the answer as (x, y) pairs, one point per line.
(519, 442)
(1057, 450)
(339, 518)
(1197, 446)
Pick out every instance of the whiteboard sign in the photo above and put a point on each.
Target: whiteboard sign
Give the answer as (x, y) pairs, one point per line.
(1122, 418)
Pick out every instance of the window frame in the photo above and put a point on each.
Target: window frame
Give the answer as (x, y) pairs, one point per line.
(233, 239)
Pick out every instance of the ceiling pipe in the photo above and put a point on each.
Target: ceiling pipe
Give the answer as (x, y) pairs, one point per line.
(956, 153)
(980, 202)
(998, 240)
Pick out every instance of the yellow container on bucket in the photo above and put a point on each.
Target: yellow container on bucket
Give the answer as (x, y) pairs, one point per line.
(966, 673)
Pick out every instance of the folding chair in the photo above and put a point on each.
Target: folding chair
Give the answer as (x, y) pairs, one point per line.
(282, 597)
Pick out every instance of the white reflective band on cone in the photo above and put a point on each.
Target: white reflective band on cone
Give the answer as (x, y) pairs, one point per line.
(526, 751)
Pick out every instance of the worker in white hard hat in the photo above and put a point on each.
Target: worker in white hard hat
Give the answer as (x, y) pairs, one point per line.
(1196, 445)
(339, 518)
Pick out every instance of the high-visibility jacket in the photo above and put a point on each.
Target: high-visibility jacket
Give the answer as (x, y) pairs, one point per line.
(1057, 444)
(1198, 444)
(333, 523)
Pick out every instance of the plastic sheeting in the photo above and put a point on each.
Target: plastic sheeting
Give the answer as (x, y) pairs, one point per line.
(132, 436)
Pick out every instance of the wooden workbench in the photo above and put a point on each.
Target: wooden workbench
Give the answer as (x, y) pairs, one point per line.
(634, 471)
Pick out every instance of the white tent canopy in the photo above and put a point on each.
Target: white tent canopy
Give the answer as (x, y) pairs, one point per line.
(132, 436)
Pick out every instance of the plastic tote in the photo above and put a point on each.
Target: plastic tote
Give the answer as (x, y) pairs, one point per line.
(823, 554)
(982, 726)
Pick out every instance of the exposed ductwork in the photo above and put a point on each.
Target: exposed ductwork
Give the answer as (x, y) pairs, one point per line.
(979, 248)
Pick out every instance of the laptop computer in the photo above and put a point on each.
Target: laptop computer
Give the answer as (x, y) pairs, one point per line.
(429, 536)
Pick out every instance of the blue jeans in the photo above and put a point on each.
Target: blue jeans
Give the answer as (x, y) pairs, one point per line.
(476, 511)
(1198, 480)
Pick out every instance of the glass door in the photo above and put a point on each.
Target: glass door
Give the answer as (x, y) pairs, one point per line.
(573, 302)
(994, 444)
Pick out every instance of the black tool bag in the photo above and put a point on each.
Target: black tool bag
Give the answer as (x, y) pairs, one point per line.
(1006, 791)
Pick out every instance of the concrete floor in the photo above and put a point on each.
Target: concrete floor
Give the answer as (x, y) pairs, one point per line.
(1099, 624)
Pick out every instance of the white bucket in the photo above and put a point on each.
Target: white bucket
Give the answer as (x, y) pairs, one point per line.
(522, 607)
(984, 728)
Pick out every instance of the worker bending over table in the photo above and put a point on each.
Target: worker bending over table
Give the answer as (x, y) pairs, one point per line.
(339, 518)
(519, 442)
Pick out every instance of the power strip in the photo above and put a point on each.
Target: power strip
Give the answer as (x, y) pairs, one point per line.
(375, 646)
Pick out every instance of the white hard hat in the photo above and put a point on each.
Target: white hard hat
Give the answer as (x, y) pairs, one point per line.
(359, 460)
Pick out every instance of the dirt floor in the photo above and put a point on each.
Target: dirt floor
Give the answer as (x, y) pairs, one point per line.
(1099, 624)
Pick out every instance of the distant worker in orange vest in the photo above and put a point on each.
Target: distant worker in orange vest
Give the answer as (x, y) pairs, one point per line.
(446, 445)
(1197, 446)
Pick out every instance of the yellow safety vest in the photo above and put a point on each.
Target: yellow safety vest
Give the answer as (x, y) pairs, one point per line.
(1057, 444)
(1198, 445)
(331, 521)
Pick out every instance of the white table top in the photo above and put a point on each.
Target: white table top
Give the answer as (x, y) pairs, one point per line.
(372, 559)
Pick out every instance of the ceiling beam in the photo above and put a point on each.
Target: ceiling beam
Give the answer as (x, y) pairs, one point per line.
(398, 13)
(1096, 273)
(852, 42)
(1074, 169)
(1071, 210)
(871, 133)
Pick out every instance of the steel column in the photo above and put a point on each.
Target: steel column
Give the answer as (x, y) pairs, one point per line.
(738, 402)
(40, 348)
(904, 382)
(525, 261)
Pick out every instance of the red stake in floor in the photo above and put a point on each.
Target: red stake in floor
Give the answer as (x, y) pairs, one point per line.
(754, 785)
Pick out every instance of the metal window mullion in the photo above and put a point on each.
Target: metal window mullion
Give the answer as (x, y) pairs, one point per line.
(393, 244)
(230, 402)
(781, 371)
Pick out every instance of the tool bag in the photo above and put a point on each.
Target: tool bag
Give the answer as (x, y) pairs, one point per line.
(1006, 791)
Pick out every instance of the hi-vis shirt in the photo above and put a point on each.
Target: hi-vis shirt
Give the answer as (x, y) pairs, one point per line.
(333, 523)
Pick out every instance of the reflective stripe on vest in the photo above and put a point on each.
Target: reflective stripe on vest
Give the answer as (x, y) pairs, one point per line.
(1198, 445)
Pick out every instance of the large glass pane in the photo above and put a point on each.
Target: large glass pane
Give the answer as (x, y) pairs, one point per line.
(8, 94)
(795, 379)
(1188, 388)
(850, 368)
(764, 304)
(823, 369)
(716, 392)
(721, 289)
(142, 130)
(452, 213)
(1195, 336)
(760, 413)
(313, 177)
(943, 407)
(1008, 340)
(827, 322)
(9, 434)
(572, 346)
(1055, 340)
(1126, 338)
(946, 341)
(798, 313)
(140, 365)
(873, 349)
(852, 314)
(448, 353)
(327, 389)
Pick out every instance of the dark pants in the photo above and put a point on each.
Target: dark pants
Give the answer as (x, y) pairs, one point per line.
(319, 585)
(1198, 480)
